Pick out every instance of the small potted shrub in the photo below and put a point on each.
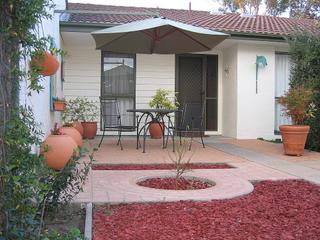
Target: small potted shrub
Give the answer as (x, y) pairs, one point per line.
(160, 100)
(298, 105)
(59, 104)
(58, 148)
(74, 112)
(89, 113)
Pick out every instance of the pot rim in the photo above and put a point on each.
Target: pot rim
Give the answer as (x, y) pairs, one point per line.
(295, 126)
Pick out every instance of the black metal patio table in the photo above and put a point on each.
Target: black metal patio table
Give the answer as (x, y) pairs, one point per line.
(153, 115)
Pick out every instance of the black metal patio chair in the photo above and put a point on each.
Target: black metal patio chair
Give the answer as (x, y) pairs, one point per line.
(111, 120)
(191, 122)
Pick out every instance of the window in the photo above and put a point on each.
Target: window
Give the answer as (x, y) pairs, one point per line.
(282, 85)
(118, 82)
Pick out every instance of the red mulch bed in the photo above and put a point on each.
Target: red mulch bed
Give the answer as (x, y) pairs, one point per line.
(275, 210)
(172, 184)
(158, 166)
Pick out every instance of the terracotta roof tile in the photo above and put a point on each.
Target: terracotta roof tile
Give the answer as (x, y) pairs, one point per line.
(230, 22)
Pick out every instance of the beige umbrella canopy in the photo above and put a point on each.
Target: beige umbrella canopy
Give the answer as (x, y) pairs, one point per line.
(157, 35)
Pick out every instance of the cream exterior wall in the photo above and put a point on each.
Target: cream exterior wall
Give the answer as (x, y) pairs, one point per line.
(83, 71)
(255, 111)
(153, 71)
(40, 102)
(230, 93)
(241, 112)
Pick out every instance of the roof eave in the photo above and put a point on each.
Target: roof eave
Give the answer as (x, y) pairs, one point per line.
(90, 27)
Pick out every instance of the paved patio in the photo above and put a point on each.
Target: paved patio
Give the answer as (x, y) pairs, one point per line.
(253, 160)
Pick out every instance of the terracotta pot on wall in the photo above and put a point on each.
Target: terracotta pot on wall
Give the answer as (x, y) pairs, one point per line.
(72, 132)
(77, 125)
(294, 138)
(60, 148)
(155, 130)
(59, 105)
(89, 129)
(47, 63)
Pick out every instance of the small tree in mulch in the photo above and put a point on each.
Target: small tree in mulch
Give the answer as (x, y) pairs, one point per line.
(181, 159)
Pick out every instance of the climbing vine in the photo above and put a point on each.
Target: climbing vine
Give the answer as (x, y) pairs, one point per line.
(27, 186)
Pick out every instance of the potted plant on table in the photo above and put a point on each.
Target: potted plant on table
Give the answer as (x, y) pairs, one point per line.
(298, 105)
(160, 100)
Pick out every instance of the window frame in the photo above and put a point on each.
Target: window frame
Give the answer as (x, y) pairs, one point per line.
(105, 53)
(277, 132)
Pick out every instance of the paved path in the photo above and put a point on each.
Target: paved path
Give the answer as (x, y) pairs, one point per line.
(120, 186)
(296, 169)
(251, 164)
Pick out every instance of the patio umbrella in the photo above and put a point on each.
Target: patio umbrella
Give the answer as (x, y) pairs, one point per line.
(157, 35)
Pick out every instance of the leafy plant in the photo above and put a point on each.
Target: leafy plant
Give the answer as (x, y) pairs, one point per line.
(161, 100)
(298, 104)
(73, 234)
(56, 130)
(28, 187)
(305, 58)
(67, 183)
(80, 108)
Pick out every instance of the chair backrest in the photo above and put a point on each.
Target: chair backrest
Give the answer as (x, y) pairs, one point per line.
(110, 114)
(192, 115)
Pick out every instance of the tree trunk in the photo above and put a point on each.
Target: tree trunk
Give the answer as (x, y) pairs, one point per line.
(9, 82)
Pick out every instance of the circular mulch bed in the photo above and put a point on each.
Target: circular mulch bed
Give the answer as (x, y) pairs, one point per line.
(158, 166)
(170, 183)
(274, 210)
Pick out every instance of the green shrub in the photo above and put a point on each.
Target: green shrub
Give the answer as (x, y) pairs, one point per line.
(28, 187)
(305, 58)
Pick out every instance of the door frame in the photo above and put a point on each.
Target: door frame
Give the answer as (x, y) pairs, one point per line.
(219, 90)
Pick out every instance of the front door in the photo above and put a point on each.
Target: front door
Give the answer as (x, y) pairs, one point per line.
(197, 81)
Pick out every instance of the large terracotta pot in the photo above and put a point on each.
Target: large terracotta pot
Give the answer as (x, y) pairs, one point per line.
(60, 148)
(294, 138)
(156, 129)
(89, 129)
(72, 132)
(47, 63)
(77, 125)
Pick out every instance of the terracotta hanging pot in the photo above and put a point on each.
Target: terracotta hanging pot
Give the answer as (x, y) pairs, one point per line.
(46, 63)
(89, 129)
(59, 105)
(156, 130)
(294, 138)
(77, 125)
(72, 132)
(57, 150)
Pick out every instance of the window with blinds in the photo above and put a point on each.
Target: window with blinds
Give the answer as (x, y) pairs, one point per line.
(282, 78)
(118, 82)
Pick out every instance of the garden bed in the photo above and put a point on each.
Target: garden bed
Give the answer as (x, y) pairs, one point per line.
(171, 183)
(274, 210)
(65, 218)
(159, 166)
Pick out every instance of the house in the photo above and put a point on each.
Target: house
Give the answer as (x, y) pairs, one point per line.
(240, 98)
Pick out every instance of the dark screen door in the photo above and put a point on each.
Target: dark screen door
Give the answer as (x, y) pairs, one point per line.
(198, 82)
